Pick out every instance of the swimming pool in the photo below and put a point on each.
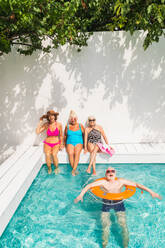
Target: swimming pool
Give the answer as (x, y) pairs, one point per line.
(48, 218)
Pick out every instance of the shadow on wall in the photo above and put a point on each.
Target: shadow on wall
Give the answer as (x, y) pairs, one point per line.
(114, 61)
(132, 75)
(21, 80)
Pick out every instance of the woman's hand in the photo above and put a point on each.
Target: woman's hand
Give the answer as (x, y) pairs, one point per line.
(85, 151)
(40, 127)
(61, 146)
(79, 198)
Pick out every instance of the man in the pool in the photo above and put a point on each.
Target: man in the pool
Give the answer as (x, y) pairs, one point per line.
(111, 184)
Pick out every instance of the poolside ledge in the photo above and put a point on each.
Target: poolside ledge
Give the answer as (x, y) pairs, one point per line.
(18, 172)
(125, 153)
(16, 175)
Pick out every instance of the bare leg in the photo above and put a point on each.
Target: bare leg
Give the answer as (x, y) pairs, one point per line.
(121, 216)
(106, 223)
(93, 159)
(70, 151)
(94, 167)
(48, 151)
(55, 158)
(48, 162)
(90, 164)
(89, 167)
(77, 150)
(91, 147)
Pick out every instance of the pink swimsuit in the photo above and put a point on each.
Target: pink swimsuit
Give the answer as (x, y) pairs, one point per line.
(52, 133)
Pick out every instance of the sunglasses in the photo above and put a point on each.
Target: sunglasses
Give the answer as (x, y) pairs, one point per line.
(92, 120)
(110, 171)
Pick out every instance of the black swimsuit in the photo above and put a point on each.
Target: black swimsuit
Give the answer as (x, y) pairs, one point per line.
(94, 136)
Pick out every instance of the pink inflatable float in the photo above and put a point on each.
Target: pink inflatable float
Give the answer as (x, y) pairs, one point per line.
(106, 149)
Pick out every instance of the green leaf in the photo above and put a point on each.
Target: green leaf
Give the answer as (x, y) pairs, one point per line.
(149, 9)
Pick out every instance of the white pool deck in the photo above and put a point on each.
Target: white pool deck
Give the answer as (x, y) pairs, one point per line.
(18, 172)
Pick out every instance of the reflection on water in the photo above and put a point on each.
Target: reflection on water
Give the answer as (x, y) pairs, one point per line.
(47, 217)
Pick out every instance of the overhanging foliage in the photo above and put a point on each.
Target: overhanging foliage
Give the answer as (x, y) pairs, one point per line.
(27, 23)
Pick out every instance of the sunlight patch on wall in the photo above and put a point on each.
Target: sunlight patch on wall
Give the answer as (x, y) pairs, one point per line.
(17, 89)
(156, 72)
(44, 95)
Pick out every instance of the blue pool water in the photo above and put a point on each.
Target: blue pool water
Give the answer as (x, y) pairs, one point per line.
(48, 218)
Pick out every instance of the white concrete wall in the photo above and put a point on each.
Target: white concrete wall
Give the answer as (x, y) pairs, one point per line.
(113, 79)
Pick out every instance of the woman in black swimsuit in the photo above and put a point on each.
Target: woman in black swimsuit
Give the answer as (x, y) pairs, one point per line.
(93, 135)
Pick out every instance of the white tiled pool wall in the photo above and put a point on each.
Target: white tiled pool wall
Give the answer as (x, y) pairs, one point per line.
(16, 176)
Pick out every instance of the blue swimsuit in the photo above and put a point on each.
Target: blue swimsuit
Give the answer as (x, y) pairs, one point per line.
(74, 137)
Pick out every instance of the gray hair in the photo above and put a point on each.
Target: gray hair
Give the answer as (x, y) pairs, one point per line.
(72, 115)
(89, 118)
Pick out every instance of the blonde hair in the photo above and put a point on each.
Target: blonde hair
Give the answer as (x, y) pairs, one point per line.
(89, 118)
(72, 115)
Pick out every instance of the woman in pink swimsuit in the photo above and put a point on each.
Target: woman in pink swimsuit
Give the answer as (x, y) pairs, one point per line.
(54, 141)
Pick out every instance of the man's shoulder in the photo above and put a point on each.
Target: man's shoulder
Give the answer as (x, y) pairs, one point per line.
(120, 179)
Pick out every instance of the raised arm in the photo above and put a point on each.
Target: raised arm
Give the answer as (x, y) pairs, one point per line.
(152, 193)
(41, 127)
(104, 136)
(140, 186)
(89, 186)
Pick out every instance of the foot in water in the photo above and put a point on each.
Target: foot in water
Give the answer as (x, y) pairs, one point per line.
(88, 171)
(105, 243)
(73, 173)
(56, 171)
(49, 171)
(94, 172)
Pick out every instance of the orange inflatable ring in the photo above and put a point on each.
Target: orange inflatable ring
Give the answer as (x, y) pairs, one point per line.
(129, 191)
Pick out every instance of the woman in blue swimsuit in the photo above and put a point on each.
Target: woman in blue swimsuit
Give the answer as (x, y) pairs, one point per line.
(73, 139)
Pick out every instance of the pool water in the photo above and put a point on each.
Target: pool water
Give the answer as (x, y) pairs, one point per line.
(48, 218)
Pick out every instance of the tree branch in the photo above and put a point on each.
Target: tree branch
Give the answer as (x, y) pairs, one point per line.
(4, 18)
(20, 43)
